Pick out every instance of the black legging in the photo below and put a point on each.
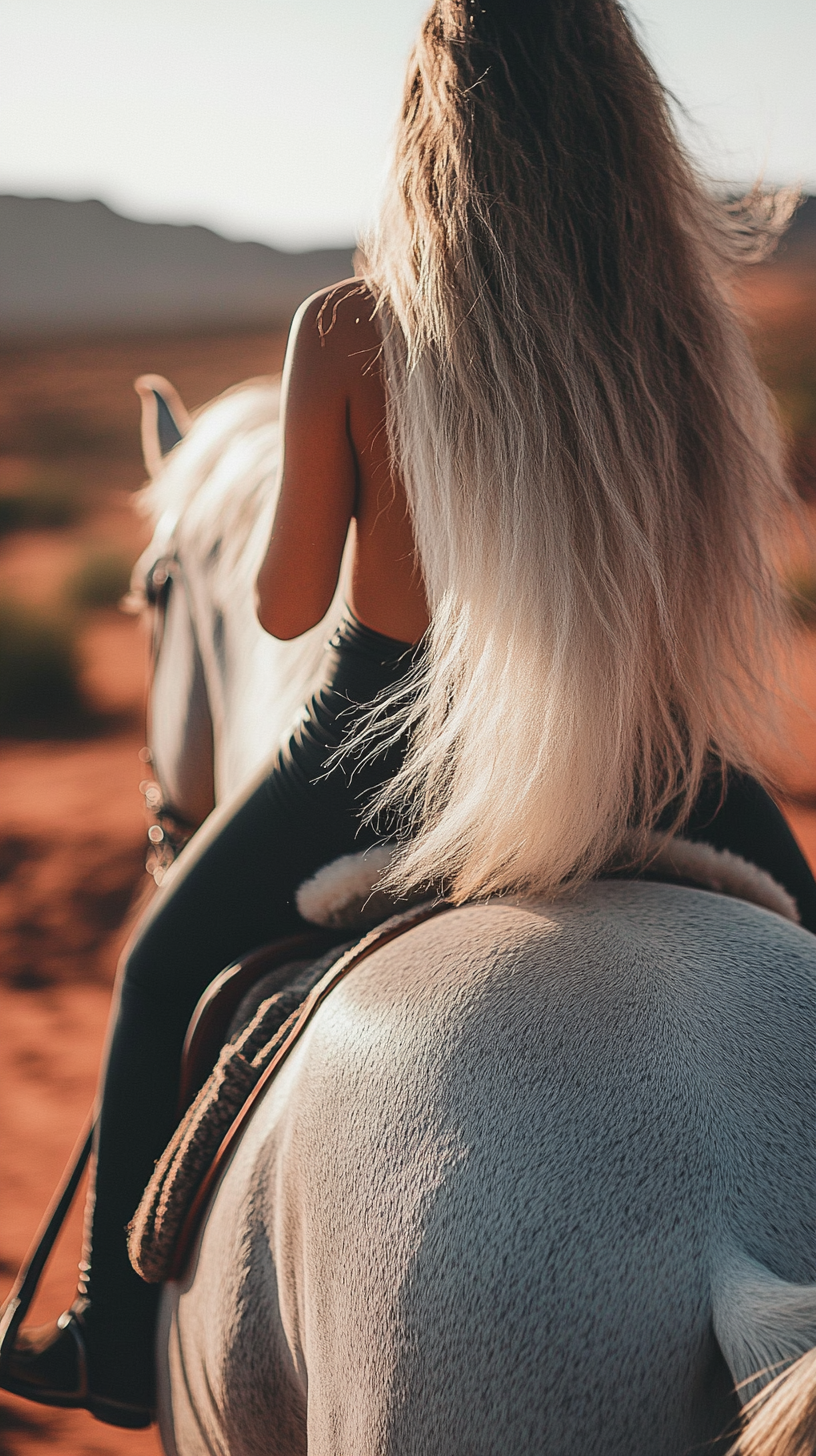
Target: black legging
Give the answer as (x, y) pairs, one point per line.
(232, 892)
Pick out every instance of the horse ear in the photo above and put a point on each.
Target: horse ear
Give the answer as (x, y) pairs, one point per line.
(165, 420)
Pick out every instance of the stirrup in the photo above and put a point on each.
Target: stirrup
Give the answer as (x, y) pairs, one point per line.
(23, 1380)
(25, 1285)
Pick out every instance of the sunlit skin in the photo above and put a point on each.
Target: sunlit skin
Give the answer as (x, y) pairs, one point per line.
(336, 470)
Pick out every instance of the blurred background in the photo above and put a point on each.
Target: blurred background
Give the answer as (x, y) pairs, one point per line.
(175, 175)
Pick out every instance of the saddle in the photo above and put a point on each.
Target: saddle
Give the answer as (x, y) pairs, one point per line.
(223, 1008)
(267, 1020)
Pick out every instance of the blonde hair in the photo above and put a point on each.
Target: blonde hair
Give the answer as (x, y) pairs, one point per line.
(781, 1419)
(592, 463)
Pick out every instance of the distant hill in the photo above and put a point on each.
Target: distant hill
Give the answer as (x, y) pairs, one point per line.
(78, 267)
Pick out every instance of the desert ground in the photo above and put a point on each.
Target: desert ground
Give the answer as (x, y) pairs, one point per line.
(72, 824)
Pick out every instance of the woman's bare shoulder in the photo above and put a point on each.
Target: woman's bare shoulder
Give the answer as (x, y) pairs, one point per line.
(337, 323)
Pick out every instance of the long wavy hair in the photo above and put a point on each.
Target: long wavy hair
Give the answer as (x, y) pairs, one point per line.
(592, 463)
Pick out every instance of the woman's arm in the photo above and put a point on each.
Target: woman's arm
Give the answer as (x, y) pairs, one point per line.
(318, 476)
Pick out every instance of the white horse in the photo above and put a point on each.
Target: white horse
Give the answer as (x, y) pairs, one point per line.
(538, 1178)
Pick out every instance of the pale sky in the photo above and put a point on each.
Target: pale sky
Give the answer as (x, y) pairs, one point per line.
(270, 119)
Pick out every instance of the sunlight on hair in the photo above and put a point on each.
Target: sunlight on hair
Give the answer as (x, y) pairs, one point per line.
(593, 465)
(781, 1419)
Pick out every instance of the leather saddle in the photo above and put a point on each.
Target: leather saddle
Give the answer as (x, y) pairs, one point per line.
(274, 965)
(209, 1028)
(273, 1014)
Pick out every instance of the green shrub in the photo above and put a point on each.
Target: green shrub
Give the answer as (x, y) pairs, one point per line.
(48, 502)
(40, 691)
(101, 581)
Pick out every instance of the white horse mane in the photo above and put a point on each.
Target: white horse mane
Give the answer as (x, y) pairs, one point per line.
(217, 492)
(211, 506)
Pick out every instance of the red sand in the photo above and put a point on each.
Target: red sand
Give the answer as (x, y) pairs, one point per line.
(72, 843)
(81, 806)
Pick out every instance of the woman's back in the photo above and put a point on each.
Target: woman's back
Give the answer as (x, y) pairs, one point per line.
(337, 468)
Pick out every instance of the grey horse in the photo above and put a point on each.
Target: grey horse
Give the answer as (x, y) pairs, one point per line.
(539, 1178)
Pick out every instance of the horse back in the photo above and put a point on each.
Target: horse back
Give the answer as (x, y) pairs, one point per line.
(484, 1206)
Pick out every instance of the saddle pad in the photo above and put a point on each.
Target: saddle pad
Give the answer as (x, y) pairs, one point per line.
(212, 1022)
(186, 1175)
(179, 1171)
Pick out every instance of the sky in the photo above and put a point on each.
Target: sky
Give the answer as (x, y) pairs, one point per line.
(271, 119)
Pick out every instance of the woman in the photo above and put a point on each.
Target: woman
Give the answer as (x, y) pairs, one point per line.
(542, 415)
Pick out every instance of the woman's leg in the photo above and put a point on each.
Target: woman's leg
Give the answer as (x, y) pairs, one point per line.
(228, 895)
(746, 821)
(231, 890)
